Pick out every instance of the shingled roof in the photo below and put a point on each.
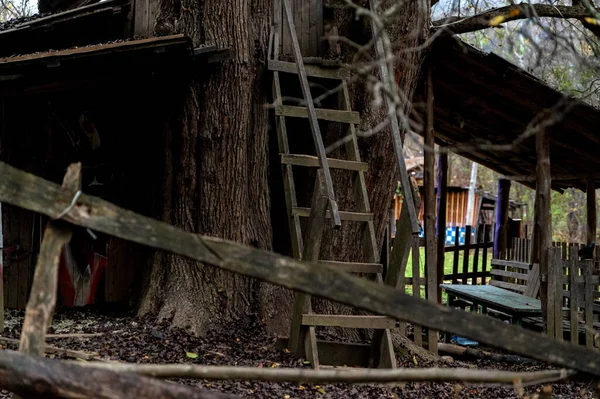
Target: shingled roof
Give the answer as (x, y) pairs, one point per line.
(484, 104)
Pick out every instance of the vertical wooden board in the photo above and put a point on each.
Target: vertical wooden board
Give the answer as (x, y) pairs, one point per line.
(313, 43)
(429, 200)
(401, 249)
(466, 254)
(589, 303)
(574, 299)
(455, 260)
(319, 25)
(304, 33)
(553, 255)
(310, 345)
(442, 204)
(416, 286)
(140, 20)
(153, 6)
(478, 241)
(484, 257)
(297, 13)
(25, 265)
(286, 38)
(558, 297)
(278, 22)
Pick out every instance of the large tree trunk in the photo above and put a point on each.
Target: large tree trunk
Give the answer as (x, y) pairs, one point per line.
(216, 159)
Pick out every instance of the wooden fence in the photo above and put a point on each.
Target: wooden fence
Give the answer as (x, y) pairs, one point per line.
(571, 299)
(470, 262)
(38, 195)
(470, 268)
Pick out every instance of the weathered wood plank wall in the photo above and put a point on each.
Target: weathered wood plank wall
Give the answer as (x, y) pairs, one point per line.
(308, 19)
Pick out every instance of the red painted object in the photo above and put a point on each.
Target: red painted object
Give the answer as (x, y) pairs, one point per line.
(78, 283)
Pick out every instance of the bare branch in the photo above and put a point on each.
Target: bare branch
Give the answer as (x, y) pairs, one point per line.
(497, 16)
(330, 376)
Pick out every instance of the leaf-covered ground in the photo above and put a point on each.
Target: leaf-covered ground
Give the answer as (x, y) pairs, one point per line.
(130, 339)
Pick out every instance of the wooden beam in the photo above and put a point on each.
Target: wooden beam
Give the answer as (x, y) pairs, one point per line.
(591, 210)
(332, 115)
(38, 377)
(42, 299)
(300, 334)
(429, 208)
(502, 206)
(38, 195)
(402, 243)
(543, 221)
(349, 321)
(442, 202)
(554, 176)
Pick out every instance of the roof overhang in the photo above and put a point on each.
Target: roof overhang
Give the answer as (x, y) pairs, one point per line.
(135, 59)
(484, 104)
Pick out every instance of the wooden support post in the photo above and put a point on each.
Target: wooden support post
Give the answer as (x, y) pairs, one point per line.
(416, 285)
(555, 291)
(442, 201)
(591, 210)
(502, 202)
(302, 342)
(1, 271)
(402, 242)
(542, 222)
(428, 180)
(574, 298)
(42, 300)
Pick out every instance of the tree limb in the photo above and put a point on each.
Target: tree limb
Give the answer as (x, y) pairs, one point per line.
(353, 376)
(498, 16)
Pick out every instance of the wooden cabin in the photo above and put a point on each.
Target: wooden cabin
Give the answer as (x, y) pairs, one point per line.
(456, 212)
(98, 101)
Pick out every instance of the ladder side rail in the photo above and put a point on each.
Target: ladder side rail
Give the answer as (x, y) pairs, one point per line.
(312, 246)
(388, 72)
(287, 170)
(312, 116)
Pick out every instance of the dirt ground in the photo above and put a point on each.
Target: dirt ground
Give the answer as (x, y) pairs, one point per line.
(130, 339)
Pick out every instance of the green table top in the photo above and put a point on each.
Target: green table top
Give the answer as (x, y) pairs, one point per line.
(496, 298)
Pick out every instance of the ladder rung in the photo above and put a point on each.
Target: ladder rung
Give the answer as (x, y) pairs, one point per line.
(314, 71)
(332, 115)
(310, 160)
(348, 321)
(349, 216)
(352, 267)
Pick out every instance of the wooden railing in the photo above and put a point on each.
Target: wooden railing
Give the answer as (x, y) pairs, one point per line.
(38, 195)
(470, 261)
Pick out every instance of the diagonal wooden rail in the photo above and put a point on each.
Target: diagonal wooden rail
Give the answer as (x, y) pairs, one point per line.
(386, 69)
(312, 117)
(36, 194)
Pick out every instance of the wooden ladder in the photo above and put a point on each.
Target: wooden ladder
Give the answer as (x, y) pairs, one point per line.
(302, 341)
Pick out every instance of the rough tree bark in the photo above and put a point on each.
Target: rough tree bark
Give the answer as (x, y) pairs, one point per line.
(216, 159)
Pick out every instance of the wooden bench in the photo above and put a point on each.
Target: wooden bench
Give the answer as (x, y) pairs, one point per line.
(520, 277)
(506, 294)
